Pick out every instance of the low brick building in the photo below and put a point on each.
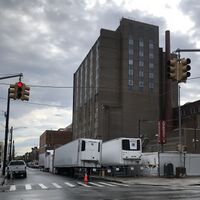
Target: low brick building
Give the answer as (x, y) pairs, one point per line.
(52, 139)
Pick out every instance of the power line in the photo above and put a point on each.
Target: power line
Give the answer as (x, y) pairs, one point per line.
(40, 104)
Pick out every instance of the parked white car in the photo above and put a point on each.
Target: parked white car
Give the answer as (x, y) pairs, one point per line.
(16, 168)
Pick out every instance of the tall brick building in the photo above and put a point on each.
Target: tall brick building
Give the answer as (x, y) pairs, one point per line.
(117, 87)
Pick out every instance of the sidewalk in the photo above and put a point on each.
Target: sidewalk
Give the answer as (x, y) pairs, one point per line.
(183, 181)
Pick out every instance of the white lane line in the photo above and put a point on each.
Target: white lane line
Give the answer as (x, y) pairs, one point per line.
(95, 184)
(120, 184)
(28, 187)
(69, 184)
(107, 184)
(42, 186)
(12, 187)
(83, 184)
(56, 185)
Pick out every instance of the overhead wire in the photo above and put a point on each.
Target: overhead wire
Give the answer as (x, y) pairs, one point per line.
(71, 87)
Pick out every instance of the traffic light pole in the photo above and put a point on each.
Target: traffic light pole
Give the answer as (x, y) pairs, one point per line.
(7, 122)
(12, 76)
(10, 144)
(187, 50)
(6, 135)
(180, 125)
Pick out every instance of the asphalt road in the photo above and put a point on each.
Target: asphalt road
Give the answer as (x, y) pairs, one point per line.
(43, 185)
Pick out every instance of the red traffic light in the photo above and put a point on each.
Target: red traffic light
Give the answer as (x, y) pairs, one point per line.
(20, 84)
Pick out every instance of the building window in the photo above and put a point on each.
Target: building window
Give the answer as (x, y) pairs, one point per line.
(151, 55)
(141, 73)
(151, 65)
(130, 52)
(151, 75)
(141, 53)
(141, 63)
(151, 44)
(130, 82)
(91, 73)
(151, 85)
(86, 80)
(130, 72)
(130, 61)
(97, 69)
(130, 41)
(141, 84)
(141, 43)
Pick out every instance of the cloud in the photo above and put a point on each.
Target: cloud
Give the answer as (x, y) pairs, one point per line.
(47, 41)
(191, 9)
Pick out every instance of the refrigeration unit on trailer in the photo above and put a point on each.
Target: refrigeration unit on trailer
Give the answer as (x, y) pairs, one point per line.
(41, 160)
(121, 153)
(80, 153)
(48, 160)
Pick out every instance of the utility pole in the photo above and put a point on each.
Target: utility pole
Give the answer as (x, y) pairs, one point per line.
(7, 122)
(179, 104)
(10, 148)
(6, 134)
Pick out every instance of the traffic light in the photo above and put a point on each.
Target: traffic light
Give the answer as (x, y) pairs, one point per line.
(25, 92)
(13, 91)
(184, 68)
(172, 69)
(19, 90)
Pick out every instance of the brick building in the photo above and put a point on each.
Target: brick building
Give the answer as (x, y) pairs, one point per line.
(119, 86)
(50, 139)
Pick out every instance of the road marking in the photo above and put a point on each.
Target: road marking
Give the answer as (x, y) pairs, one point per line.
(69, 184)
(83, 184)
(95, 184)
(42, 186)
(28, 187)
(120, 184)
(56, 185)
(12, 187)
(107, 184)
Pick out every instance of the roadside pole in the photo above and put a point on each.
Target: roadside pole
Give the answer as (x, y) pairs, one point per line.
(7, 122)
(179, 125)
(6, 134)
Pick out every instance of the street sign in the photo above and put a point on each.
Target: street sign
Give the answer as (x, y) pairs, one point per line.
(161, 132)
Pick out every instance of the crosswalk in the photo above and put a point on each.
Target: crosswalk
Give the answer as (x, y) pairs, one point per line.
(42, 186)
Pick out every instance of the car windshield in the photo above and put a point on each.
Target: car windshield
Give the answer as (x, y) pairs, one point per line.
(17, 163)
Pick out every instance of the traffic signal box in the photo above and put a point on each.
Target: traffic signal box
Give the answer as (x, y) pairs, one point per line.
(184, 68)
(13, 91)
(178, 69)
(19, 90)
(26, 92)
(172, 69)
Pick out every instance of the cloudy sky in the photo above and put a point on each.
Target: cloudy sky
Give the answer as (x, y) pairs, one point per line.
(46, 40)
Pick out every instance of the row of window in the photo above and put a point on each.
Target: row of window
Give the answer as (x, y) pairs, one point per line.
(141, 43)
(141, 65)
(85, 76)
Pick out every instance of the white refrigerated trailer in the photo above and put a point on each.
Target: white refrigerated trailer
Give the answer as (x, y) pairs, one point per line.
(78, 154)
(121, 154)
